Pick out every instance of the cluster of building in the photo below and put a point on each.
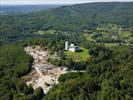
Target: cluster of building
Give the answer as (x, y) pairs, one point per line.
(71, 47)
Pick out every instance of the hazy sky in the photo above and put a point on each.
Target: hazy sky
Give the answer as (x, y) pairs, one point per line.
(56, 1)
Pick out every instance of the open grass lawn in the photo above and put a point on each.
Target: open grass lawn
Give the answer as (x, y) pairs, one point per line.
(78, 56)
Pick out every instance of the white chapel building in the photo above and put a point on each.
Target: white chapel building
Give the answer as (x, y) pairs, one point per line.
(72, 47)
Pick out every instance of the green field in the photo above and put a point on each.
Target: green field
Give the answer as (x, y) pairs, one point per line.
(89, 37)
(78, 56)
(110, 44)
(47, 32)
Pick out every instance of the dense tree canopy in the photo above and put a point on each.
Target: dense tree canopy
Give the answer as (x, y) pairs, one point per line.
(109, 76)
(14, 63)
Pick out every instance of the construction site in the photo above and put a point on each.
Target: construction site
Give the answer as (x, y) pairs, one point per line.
(43, 74)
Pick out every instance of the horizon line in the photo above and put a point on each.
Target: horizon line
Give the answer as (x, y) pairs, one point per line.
(19, 4)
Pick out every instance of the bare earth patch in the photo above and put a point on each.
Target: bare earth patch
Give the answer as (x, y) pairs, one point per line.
(43, 74)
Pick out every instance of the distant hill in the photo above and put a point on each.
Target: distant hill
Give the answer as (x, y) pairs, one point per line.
(74, 18)
(22, 9)
(82, 16)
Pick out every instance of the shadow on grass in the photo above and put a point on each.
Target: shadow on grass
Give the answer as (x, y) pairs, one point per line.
(81, 50)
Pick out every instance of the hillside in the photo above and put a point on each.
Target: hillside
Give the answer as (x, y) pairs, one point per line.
(74, 18)
(83, 16)
(23, 9)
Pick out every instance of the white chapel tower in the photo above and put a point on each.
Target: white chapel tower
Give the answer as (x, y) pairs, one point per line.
(66, 45)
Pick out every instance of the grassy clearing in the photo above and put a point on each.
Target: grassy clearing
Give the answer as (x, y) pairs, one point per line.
(47, 32)
(110, 44)
(78, 56)
(88, 37)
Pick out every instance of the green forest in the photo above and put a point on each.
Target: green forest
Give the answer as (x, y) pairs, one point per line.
(103, 30)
